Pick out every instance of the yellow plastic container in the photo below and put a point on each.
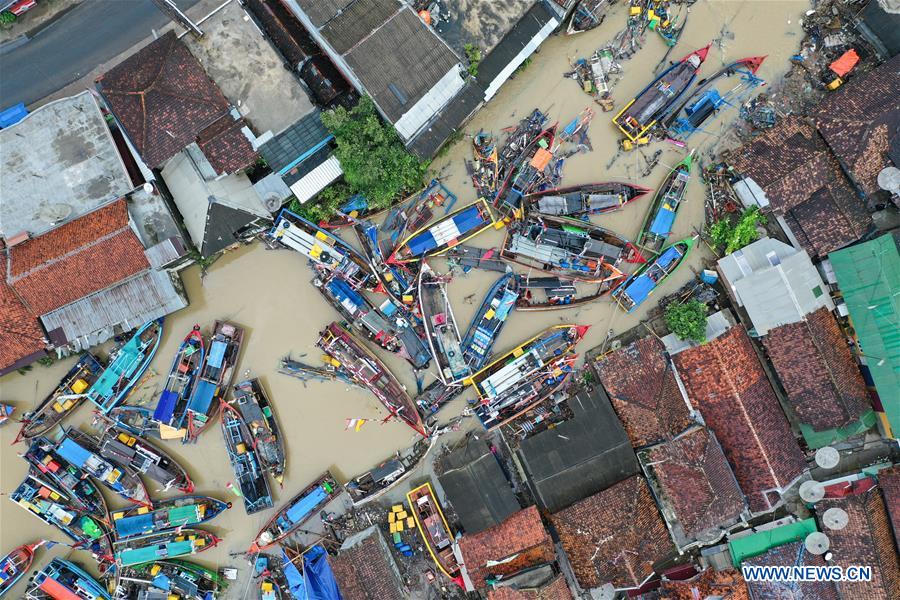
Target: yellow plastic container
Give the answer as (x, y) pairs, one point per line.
(79, 386)
(241, 448)
(635, 11)
(321, 236)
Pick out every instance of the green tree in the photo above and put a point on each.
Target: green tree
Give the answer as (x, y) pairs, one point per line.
(374, 160)
(473, 57)
(687, 320)
(731, 237)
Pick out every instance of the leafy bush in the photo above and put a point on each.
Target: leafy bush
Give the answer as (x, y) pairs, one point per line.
(473, 56)
(732, 237)
(687, 320)
(7, 17)
(325, 205)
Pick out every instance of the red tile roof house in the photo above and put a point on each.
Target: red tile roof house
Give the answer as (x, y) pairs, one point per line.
(169, 109)
(644, 391)
(727, 384)
(727, 584)
(889, 484)
(865, 540)
(22, 339)
(805, 188)
(785, 555)
(520, 542)
(365, 569)
(697, 492)
(556, 589)
(614, 537)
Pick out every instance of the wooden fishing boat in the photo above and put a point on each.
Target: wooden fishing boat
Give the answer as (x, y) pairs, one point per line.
(554, 293)
(590, 199)
(137, 420)
(486, 173)
(660, 217)
(517, 142)
(55, 507)
(377, 481)
(166, 515)
(296, 511)
(64, 580)
(270, 588)
(322, 248)
(587, 15)
(83, 450)
(419, 210)
(132, 452)
(395, 280)
(435, 239)
(637, 288)
(155, 546)
(62, 401)
(435, 532)
(527, 175)
(168, 579)
(64, 475)
(441, 330)
(183, 376)
(356, 207)
(489, 320)
(126, 367)
(258, 413)
(525, 376)
(369, 372)
(248, 469)
(15, 564)
(215, 379)
(567, 248)
(655, 101)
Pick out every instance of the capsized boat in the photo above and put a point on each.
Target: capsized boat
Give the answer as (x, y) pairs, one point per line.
(64, 580)
(590, 199)
(489, 320)
(369, 372)
(656, 100)
(529, 174)
(567, 248)
(83, 450)
(297, 510)
(637, 288)
(168, 514)
(156, 546)
(554, 293)
(62, 401)
(168, 580)
(56, 508)
(257, 412)
(305, 372)
(435, 531)
(126, 367)
(183, 376)
(441, 330)
(215, 378)
(435, 239)
(132, 452)
(248, 470)
(486, 172)
(15, 564)
(525, 376)
(64, 475)
(378, 480)
(587, 15)
(322, 248)
(660, 217)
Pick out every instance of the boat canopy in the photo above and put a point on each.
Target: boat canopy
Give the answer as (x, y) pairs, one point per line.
(73, 452)
(165, 408)
(304, 506)
(446, 231)
(317, 580)
(662, 223)
(202, 397)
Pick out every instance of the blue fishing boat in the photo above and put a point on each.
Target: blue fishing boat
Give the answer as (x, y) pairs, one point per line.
(292, 515)
(156, 546)
(214, 379)
(661, 217)
(450, 231)
(66, 476)
(182, 378)
(126, 366)
(173, 513)
(64, 580)
(83, 450)
(415, 212)
(639, 286)
(489, 320)
(248, 470)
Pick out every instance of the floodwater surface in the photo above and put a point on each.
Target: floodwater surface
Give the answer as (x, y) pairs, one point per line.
(269, 292)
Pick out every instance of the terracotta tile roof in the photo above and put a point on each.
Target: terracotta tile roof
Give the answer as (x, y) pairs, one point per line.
(519, 542)
(788, 555)
(859, 120)
(726, 382)
(557, 589)
(163, 98)
(364, 573)
(727, 584)
(79, 258)
(643, 391)
(615, 536)
(889, 483)
(823, 383)
(696, 482)
(866, 540)
(225, 146)
(21, 336)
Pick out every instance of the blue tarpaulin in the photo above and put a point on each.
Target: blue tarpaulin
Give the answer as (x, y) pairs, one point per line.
(305, 505)
(202, 397)
(468, 220)
(73, 453)
(422, 243)
(662, 224)
(166, 406)
(128, 526)
(216, 353)
(317, 580)
(343, 291)
(357, 203)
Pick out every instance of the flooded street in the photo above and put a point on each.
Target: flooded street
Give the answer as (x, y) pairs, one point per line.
(269, 292)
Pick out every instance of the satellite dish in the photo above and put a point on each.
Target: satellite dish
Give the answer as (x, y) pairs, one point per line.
(889, 179)
(817, 543)
(835, 518)
(148, 188)
(272, 202)
(827, 457)
(55, 213)
(812, 491)
(615, 345)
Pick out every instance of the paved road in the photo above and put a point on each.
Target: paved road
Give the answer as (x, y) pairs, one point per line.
(88, 35)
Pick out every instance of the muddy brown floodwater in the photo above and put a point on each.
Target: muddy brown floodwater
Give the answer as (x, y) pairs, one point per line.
(268, 292)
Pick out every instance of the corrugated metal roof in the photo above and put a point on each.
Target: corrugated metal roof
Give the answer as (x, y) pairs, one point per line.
(317, 180)
(165, 252)
(288, 148)
(431, 103)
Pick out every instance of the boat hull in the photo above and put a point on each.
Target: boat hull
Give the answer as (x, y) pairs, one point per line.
(64, 579)
(258, 413)
(296, 511)
(441, 330)
(434, 530)
(635, 291)
(590, 199)
(245, 462)
(126, 367)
